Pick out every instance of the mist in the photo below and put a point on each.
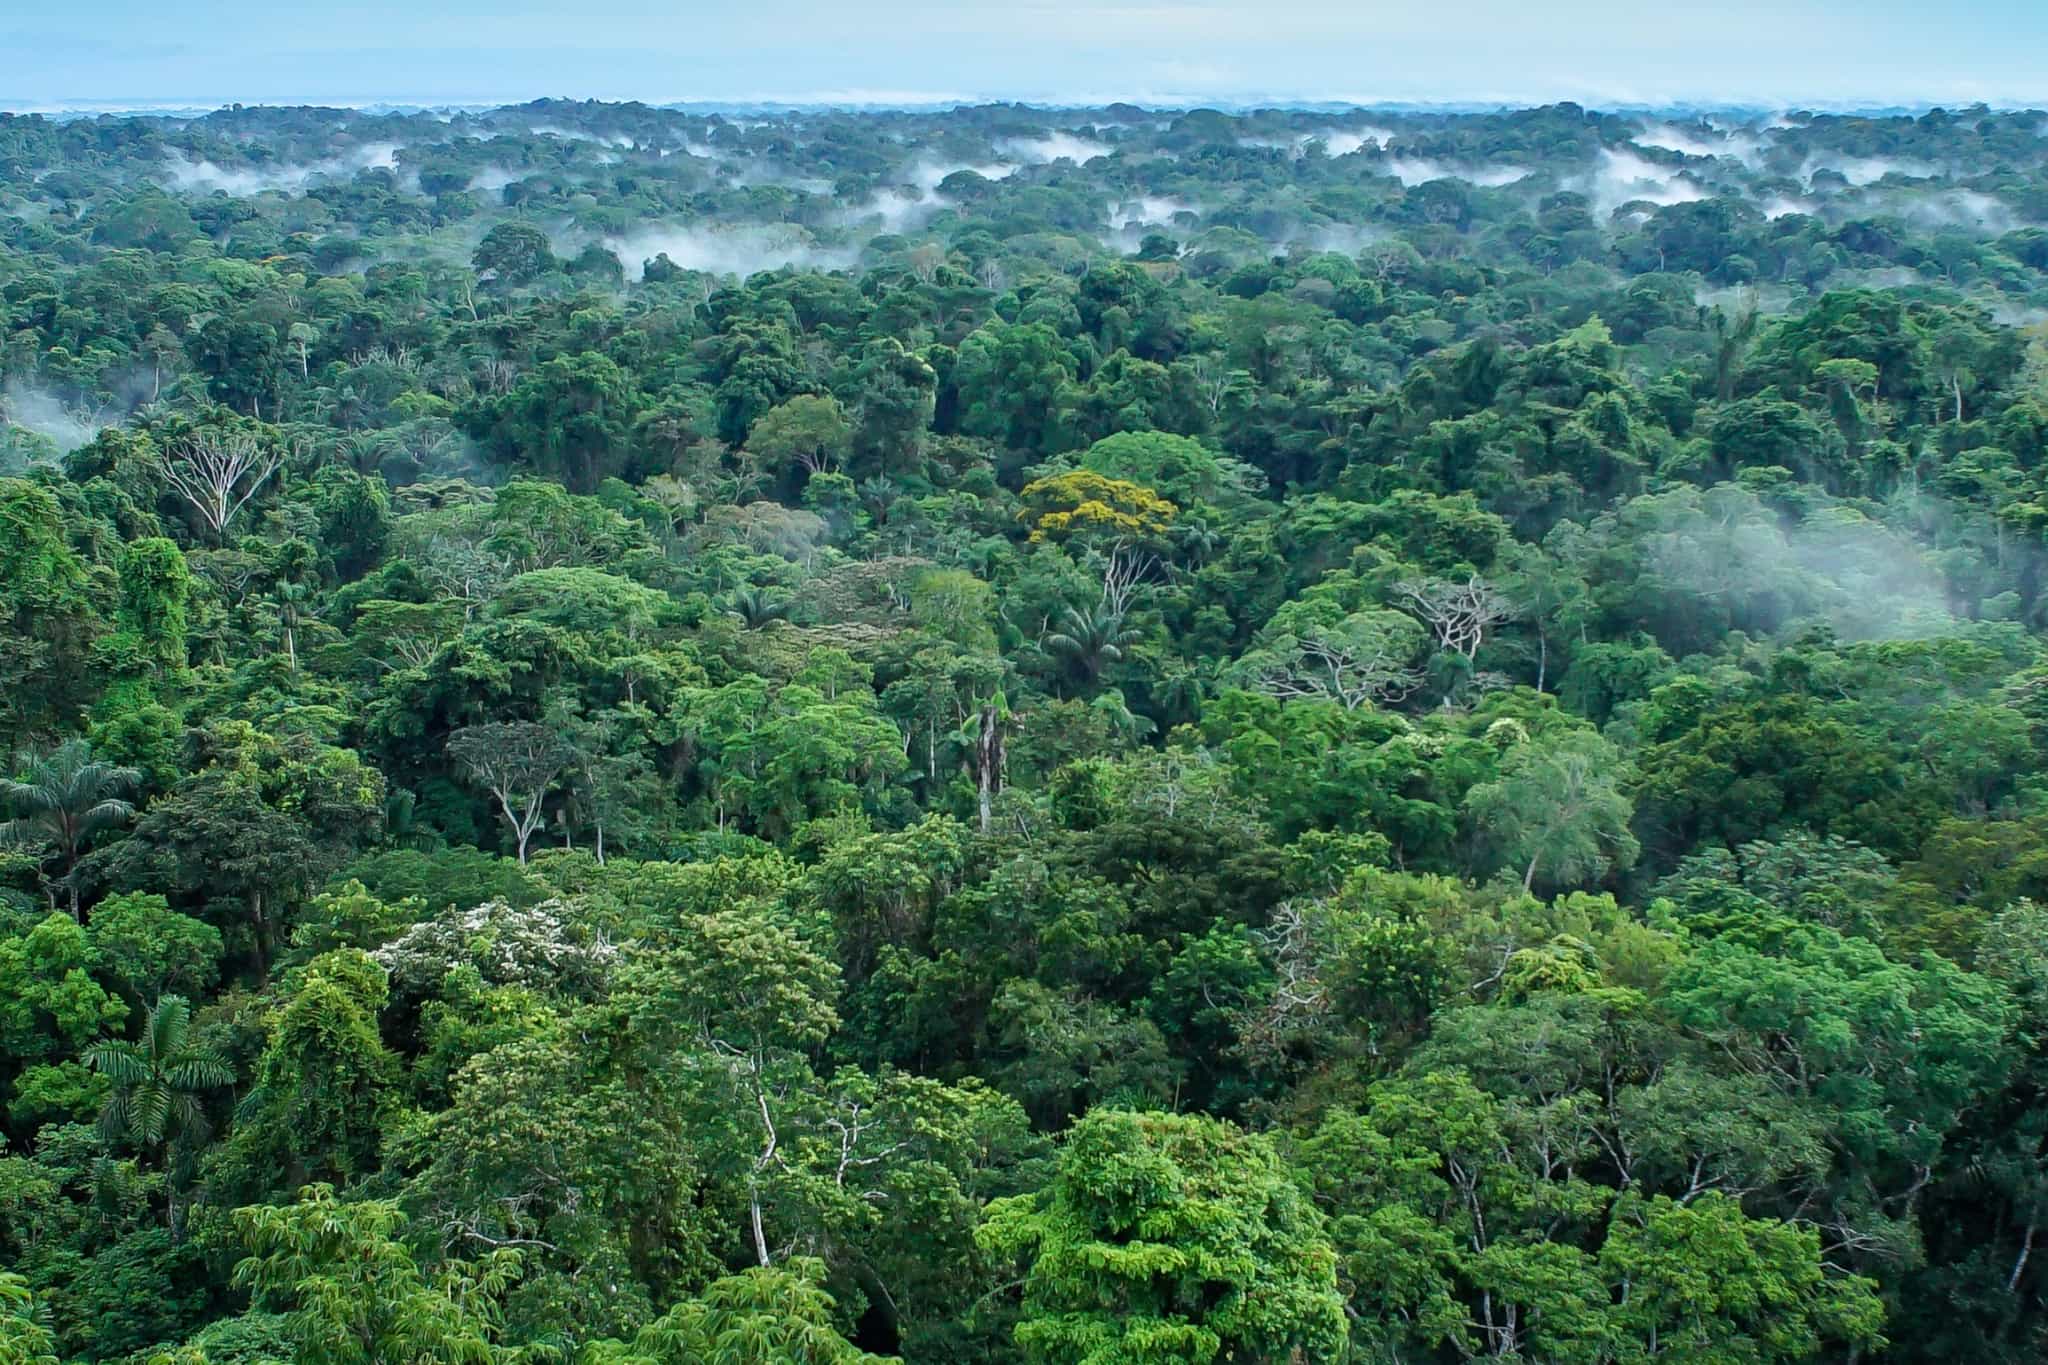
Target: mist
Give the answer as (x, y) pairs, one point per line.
(1336, 141)
(1863, 170)
(1622, 177)
(908, 206)
(1345, 141)
(1412, 171)
(1052, 146)
(1784, 206)
(618, 140)
(738, 251)
(1969, 209)
(43, 413)
(1148, 211)
(1715, 142)
(205, 177)
(1865, 580)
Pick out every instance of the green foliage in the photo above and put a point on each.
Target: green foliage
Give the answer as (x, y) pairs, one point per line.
(1475, 748)
(150, 949)
(762, 1316)
(351, 1295)
(157, 1081)
(1169, 1238)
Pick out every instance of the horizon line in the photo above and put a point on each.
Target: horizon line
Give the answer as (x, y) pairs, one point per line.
(897, 101)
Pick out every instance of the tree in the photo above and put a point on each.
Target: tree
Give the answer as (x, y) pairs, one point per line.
(1314, 649)
(25, 1337)
(1701, 1281)
(158, 1081)
(256, 830)
(513, 254)
(518, 763)
(571, 418)
(1558, 807)
(218, 472)
(317, 1108)
(808, 431)
(151, 949)
(1459, 613)
(155, 586)
(1093, 506)
(64, 798)
(897, 390)
(158, 1084)
(1091, 640)
(1182, 470)
(765, 1315)
(49, 614)
(352, 1295)
(1169, 1238)
(748, 995)
(1010, 376)
(566, 1151)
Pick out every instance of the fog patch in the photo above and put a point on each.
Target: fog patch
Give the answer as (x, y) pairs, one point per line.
(929, 175)
(910, 205)
(1346, 239)
(1336, 141)
(1622, 177)
(1052, 146)
(1785, 206)
(492, 179)
(1418, 170)
(1881, 277)
(43, 413)
(1970, 209)
(194, 175)
(1345, 141)
(898, 209)
(1863, 170)
(1768, 299)
(618, 140)
(2010, 314)
(738, 251)
(1148, 211)
(1864, 579)
(1713, 142)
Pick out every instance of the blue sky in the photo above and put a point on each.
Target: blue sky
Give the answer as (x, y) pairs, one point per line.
(462, 51)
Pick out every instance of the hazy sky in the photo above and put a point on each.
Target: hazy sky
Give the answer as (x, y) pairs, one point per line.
(1597, 51)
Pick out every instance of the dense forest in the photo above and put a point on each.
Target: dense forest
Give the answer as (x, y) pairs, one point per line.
(641, 736)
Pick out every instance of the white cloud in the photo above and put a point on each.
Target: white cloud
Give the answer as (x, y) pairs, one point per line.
(1418, 170)
(1864, 170)
(204, 177)
(725, 251)
(1052, 146)
(1622, 177)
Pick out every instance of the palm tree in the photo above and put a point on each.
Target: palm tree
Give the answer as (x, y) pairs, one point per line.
(158, 1081)
(757, 608)
(292, 601)
(63, 798)
(1091, 640)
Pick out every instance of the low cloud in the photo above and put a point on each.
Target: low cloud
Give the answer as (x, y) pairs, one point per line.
(618, 140)
(1052, 146)
(726, 251)
(492, 179)
(199, 176)
(1148, 211)
(1417, 170)
(1622, 177)
(1864, 170)
(34, 410)
(1710, 141)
